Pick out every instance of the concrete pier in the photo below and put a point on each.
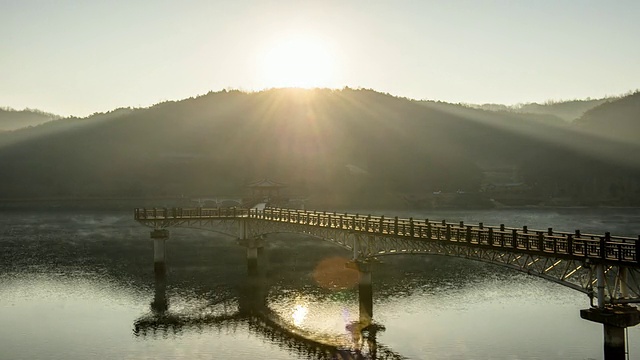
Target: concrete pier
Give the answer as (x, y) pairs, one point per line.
(252, 260)
(160, 303)
(365, 291)
(253, 292)
(159, 237)
(614, 342)
(365, 296)
(255, 248)
(615, 319)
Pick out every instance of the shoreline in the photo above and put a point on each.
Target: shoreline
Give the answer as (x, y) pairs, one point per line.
(121, 203)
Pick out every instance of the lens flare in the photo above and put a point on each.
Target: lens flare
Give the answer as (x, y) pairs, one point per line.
(332, 273)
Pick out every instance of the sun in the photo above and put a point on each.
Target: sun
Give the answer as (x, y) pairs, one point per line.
(298, 62)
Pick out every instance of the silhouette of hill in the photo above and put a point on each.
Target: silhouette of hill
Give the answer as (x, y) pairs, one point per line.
(340, 147)
(565, 110)
(11, 119)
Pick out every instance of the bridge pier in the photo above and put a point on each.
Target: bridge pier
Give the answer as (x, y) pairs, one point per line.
(252, 299)
(365, 294)
(255, 247)
(159, 237)
(614, 319)
(365, 291)
(253, 292)
(160, 303)
(252, 260)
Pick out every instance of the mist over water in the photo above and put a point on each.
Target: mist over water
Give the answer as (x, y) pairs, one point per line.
(74, 285)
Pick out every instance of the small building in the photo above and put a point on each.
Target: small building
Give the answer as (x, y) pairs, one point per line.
(266, 190)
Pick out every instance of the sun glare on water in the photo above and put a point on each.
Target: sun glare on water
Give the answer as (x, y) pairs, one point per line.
(298, 62)
(299, 313)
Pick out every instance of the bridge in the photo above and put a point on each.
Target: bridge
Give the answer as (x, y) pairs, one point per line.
(604, 267)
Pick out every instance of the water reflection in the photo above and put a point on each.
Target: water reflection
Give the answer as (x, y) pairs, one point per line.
(251, 309)
(299, 313)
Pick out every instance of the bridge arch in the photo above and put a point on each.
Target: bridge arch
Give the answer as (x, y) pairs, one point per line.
(213, 230)
(573, 286)
(621, 285)
(512, 263)
(565, 270)
(342, 244)
(582, 281)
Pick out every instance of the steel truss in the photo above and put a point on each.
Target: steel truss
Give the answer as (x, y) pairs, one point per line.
(620, 283)
(579, 275)
(340, 237)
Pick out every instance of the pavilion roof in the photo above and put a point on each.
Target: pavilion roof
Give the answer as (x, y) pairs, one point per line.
(265, 183)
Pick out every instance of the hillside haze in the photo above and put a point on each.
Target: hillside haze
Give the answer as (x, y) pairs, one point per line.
(11, 119)
(569, 110)
(338, 147)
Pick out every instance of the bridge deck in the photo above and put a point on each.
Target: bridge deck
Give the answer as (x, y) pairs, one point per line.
(613, 250)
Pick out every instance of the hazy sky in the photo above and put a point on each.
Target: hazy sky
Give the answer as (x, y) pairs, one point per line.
(80, 57)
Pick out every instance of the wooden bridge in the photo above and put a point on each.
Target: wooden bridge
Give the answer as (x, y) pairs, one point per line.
(605, 267)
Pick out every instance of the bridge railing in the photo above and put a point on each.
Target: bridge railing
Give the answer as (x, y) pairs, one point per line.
(602, 247)
(577, 244)
(179, 213)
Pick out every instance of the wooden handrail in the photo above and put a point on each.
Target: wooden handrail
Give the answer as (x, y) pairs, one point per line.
(605, 247)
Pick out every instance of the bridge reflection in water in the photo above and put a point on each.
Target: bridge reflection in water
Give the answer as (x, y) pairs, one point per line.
(251, 309)
(604, 267)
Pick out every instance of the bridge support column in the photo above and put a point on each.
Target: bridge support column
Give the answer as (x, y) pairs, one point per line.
(365, 297)
(614, 342)
(254, 247)
(615, 319)
(365, 291)
(160, 303)
(252, 260)
(253, 294)
(159, 237)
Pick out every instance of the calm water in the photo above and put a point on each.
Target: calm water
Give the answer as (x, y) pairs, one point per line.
(79, 285)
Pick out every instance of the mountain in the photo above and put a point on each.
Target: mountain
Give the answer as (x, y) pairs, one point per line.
(11, 119)
(617, 120)
(339, 147)
(565, 110)
(598, 163)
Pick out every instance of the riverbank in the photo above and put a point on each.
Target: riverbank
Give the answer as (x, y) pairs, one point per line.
(469, 201)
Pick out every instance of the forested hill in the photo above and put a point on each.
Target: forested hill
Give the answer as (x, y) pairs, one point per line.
(598, 163)
(11, 119)
(617, 120)
(569, 110)
(341, 146)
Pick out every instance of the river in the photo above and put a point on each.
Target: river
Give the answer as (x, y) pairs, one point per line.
(80, 284)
